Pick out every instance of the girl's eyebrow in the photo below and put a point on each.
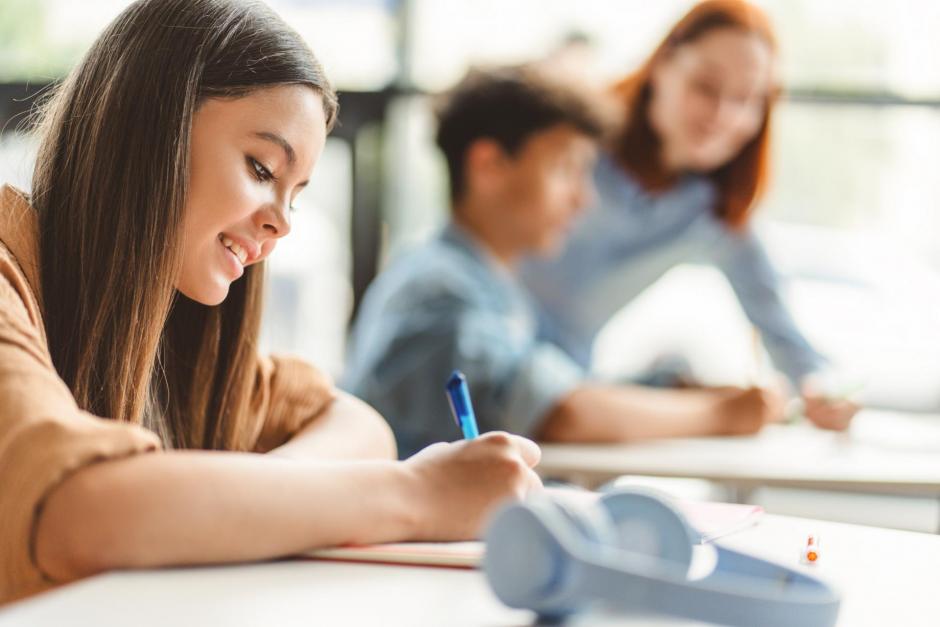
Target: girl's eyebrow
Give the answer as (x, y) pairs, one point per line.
(280, 141)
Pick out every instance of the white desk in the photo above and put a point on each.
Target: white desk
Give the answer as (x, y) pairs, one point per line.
(887, 453)
(887, 577)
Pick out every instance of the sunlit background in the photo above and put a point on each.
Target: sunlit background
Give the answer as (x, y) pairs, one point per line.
(852, 220)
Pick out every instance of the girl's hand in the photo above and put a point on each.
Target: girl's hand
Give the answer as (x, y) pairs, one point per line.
(455, 486)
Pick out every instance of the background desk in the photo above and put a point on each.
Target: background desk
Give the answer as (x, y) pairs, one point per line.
(887, 578)
(884, 453)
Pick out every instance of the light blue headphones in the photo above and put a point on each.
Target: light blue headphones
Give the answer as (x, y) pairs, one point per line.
(631, 551)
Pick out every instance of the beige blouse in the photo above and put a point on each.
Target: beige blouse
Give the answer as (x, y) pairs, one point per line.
(44, 436)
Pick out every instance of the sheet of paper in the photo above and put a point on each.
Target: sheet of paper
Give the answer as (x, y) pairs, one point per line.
(453, 554)
(711, 520)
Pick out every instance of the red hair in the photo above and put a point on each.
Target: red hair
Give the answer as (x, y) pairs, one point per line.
(741, 181)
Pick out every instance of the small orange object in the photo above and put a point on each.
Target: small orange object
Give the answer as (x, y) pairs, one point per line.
(810, 552)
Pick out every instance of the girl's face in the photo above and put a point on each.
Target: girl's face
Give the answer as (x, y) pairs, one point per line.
(249, 158)
(709, 98)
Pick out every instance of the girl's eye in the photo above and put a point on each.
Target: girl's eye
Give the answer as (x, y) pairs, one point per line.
(261, 173)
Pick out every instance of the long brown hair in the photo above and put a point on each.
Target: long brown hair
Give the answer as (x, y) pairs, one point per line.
(741, 181)
(110, 186)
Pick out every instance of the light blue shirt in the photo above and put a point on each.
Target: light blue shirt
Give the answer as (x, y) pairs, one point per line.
(629, 240)
(447, 305)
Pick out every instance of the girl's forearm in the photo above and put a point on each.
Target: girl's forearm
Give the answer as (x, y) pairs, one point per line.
(179, 508)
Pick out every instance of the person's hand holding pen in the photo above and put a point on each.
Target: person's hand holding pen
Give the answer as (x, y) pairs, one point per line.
(457, 485)
(828, 411)
(825, 410)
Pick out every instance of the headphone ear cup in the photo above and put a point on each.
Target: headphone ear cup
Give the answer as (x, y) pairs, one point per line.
(524, 560)
(530, 548)
(646, 524)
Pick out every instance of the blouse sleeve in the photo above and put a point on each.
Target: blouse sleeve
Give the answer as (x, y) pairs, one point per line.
(44, 436)
(289, 393)
(757, 286)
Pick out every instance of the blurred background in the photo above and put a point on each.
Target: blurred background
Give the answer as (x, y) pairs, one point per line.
(852, 219)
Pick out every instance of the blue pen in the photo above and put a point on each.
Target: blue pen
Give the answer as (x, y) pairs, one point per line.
(459, 396)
